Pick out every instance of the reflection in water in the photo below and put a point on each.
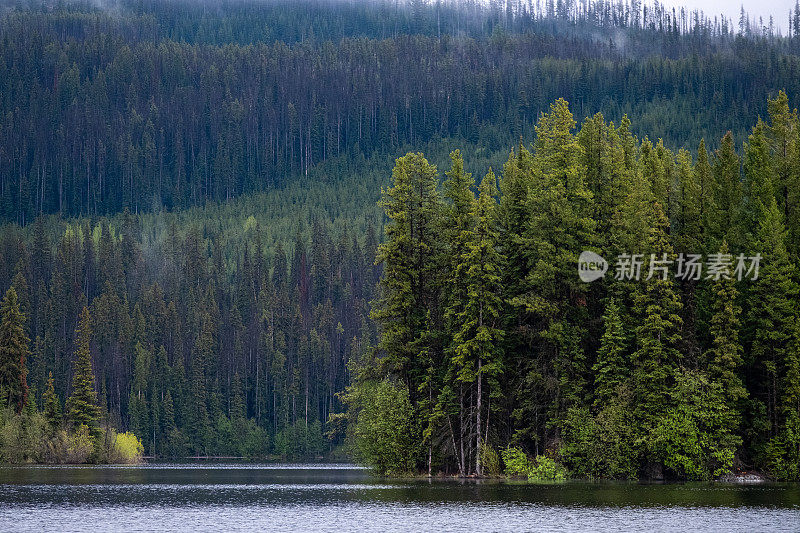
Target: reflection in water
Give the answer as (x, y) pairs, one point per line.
(343, 498)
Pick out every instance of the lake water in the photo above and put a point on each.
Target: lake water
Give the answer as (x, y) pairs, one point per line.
(231, 497)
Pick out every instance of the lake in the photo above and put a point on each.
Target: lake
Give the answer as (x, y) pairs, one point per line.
(236, 497)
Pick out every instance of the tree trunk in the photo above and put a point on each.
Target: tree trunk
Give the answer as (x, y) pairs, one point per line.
(478, 471)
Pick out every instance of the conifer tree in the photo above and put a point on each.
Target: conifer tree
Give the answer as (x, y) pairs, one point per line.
(709, 209)
(82, 405)
(137, 404)
(560, 226)
(458, 231)
(783, 136)
(13, 353)
(658, 307)
(477, 344)
(610, 370)
(198, 416)
(724, 359)
(773, 316)
(52, 404)
(728, 188)
(406, 309)
(759, 189)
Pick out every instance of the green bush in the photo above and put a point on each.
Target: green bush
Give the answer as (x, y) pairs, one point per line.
(300, 441)
(384, 435)
(516, 462)
(79, 446)
(540, 469)
(127, 449)
(600, 446)
(21, 437)
(490, 461)
(255, 441)
(546, 469)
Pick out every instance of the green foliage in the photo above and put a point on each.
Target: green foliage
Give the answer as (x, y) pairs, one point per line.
(546, 469)
(127, 449)
(610, 369)
(515, 461)
(300, 441)
(82, 405)
(490, 461)
(21, 437)
(695, 439)
(230, 329)
(542, 468)
(384, 433)
(132, 110)
(79, 446)
(52, 405)
(13, 353)
(601, 445)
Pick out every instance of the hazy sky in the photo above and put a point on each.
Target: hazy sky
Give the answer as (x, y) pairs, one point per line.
(779, 9)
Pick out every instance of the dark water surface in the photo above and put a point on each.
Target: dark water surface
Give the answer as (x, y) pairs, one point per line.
(236, 497)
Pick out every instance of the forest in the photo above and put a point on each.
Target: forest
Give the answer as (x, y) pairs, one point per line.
(489, 343)
(156, 102)
(221, 237)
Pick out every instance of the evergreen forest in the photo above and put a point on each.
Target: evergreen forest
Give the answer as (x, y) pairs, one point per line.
(325, 229)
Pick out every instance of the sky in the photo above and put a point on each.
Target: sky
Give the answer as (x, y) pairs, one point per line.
(779, 9)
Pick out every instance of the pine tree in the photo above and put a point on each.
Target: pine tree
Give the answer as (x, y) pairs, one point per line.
(559, 228)
(728, 188)
(237, 409)
(782, 135)
(759, 189)
(724, 359)
(82, 405)
(611, 369)
(137, 404)
(458, 229)
(412, 268)
(199, 423)
(656, 359)
(477, 344)
(773, 315)
(708, 193)
(13, 353)
(52, 405)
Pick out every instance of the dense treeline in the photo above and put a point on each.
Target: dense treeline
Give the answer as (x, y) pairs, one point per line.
(487, 336)
(210, 334)
(173, 104)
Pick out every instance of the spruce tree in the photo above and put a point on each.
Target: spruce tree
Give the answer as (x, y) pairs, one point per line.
(137, 404)
(458, 231)
(783, 134)
(708, 204)
(478, 343)
(407, 309)
(657, 358)
(82, 407)
(611, 369)
(52, 405)
(13, 353)
(772, 317)
(559, 228)
(724, 359)
(728, 188)
(759, 189)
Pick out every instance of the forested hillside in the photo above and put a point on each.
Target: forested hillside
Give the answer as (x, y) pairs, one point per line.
(202, 199)
(159, 103)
